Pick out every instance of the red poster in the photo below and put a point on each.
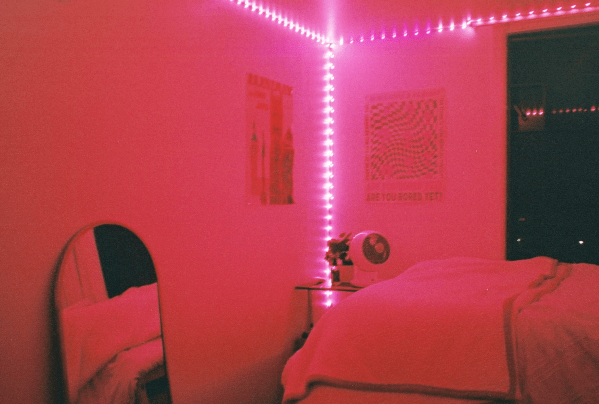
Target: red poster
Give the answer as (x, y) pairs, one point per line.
(269, 140)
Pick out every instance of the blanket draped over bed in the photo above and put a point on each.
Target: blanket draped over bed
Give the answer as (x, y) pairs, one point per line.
(442, 327)
(557, 340)
(97, 337)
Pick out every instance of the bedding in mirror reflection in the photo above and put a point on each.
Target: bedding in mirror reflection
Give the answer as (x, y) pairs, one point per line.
(106, 299)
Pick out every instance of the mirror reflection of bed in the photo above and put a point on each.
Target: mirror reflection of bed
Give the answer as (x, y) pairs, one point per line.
(110, 333)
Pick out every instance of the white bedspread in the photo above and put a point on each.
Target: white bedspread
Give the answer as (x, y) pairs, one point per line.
(442, 327)
(94, 333)
(558, 342)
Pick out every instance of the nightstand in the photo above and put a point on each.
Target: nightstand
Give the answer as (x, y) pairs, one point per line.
(321, 284)
(327, 295)
(331, 294)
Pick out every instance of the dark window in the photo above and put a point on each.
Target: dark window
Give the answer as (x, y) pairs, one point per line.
(553, 145)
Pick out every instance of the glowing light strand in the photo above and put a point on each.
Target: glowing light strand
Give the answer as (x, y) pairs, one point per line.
(284, 22)
(405, 32)
(328, 298)
(592, 108)
(557, 111)
(328, 144)
(469, 22)
(329, 77)
(279, 18)
(539, 13)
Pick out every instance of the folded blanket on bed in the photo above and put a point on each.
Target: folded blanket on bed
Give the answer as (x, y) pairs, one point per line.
(93, 333)
(442, 327)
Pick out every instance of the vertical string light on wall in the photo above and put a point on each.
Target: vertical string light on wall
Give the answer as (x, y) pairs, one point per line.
(280, 19)
(328, 143)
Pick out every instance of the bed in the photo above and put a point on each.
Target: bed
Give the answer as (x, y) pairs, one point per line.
(109, 322)
(458, 331)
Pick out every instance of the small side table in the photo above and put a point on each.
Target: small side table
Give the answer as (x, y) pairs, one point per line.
(320, 285)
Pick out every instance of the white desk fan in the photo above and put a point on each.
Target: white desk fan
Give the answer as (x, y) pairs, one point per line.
(367, 250)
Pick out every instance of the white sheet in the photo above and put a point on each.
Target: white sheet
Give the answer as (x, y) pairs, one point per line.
(558, 342)
(440, 328)
(117, 382)
(94, 333)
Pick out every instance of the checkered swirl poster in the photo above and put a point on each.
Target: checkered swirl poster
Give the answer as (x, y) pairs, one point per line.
(404, 147)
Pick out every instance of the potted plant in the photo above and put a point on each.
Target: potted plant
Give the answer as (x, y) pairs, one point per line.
(337, 256)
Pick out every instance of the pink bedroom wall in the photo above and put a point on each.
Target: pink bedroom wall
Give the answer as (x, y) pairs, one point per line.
(469, 220)
(134, 112)
(471, 66)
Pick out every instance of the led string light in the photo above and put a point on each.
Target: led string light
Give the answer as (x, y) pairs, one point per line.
(416, 30)
(534, 112)
(545, 12)
(468, 22)
(328, 144)
(405, 32)
(328, 298)
(280, 19)
(283, 21)
(556, 111)
(392, 35)
(328, 112)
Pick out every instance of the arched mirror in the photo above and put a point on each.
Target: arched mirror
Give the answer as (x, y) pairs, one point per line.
(109, 319)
